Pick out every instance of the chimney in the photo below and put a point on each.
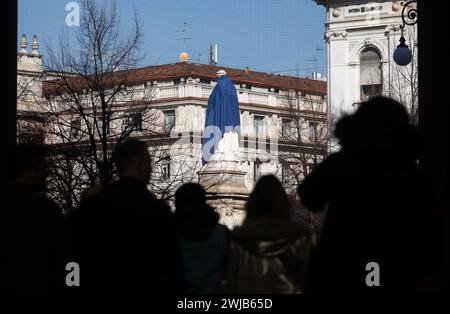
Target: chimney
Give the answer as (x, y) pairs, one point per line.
(213, 54)
(23, 44)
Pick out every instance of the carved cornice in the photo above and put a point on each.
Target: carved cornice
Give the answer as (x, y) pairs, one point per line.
(392, 29)
(335, 34)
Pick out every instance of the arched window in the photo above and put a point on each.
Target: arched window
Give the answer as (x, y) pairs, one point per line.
(370, 74)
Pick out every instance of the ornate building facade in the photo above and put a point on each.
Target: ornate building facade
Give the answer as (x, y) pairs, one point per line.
(361, 38)
(283, 122)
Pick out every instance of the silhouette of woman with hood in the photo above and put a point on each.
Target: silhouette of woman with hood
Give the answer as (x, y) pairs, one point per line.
(203, 241)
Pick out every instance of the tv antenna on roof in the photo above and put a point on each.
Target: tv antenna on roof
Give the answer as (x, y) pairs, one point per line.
(184, 35)
(315, 60)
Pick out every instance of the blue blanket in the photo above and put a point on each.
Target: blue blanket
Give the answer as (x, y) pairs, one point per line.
(222, 112)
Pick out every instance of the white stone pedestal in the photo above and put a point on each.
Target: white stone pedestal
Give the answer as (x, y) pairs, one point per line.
(224, 182)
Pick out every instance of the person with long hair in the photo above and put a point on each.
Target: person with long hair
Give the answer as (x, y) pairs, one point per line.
(268, 253)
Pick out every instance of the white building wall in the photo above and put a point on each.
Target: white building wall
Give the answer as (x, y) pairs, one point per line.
(189, 100)
(348, 32)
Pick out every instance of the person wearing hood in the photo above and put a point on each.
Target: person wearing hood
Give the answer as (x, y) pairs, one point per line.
(269, 253)
(203, 241)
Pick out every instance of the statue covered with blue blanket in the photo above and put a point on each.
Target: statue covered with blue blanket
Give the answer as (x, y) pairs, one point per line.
(222, 123)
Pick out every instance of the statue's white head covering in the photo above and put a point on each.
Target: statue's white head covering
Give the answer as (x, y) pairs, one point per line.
(221, 73)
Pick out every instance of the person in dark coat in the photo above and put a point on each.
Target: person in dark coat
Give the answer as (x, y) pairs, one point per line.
(32, 229)
(203, 241)
(269, 253)
(124, 236)
(380, 206)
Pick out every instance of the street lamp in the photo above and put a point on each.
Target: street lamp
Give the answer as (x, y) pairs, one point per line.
(403, 54)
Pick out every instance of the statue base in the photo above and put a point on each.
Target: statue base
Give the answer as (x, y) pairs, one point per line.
(226, 191)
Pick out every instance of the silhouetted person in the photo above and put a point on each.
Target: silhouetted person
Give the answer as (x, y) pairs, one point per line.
(203, 241)
(32, 236)
(380, 207)
(124, 236)
(268, 253)
(437, 281)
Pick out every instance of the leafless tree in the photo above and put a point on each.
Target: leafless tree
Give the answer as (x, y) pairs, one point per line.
(25, 87)
(304, 137)
(178, 161)
(403, 83)
(29, 123)
(89, 104)
(173, 165)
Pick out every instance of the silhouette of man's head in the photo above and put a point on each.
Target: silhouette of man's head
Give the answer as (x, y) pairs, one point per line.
(190, 195)
(378, 125)
(27, 165)
(268, 199)
(133, 160)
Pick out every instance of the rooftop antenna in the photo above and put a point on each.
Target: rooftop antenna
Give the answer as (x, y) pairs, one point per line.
(315, 64)
(184, 38)
(297, 70)
(315, 60)
(184, 56)
(157, 60)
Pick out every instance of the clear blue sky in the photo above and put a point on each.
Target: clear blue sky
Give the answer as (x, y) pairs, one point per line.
(279, 36)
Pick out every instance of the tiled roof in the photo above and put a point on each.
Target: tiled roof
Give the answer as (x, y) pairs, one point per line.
(185, 69)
